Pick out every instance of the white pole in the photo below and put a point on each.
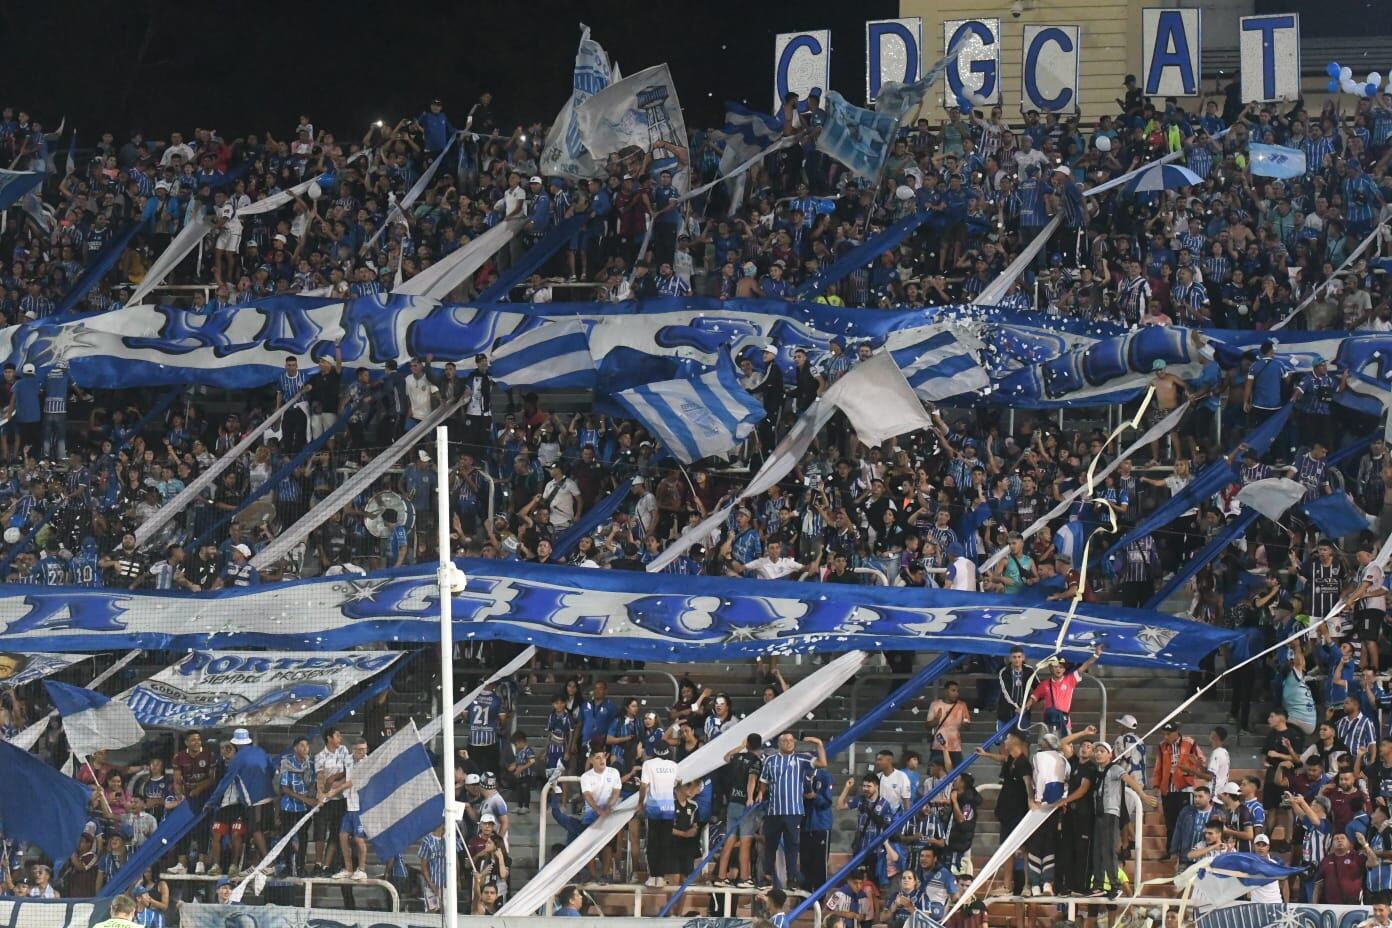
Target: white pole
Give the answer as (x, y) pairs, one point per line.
(450, 904)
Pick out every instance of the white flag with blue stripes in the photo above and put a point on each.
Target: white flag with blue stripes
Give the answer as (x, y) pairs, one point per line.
(555, 356)
(941, 366)
(858, 138)
(399, 793)
(747, 132)
(699, 417)
(92, 721)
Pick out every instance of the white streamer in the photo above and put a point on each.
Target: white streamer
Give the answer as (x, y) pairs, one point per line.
(432, 728)
(184, 243)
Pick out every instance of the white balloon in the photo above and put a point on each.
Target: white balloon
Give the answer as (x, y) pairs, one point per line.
(1348, 86)
(904, 192)
(1104, 143)
(1374, 78)
(315, 191)
(1345, 74)
(13, 535)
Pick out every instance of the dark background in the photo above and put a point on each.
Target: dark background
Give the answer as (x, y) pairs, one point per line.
(252, 65)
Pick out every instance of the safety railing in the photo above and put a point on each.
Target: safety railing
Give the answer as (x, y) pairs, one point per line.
(854, 748)
(872, 572)
(1150, 905)
(728, 893)
(202, 883)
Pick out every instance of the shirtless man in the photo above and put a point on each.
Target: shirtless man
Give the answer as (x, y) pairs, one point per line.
(1169, 394)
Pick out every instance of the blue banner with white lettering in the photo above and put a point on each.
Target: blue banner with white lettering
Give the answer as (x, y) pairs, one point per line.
(595, 612)
(229, 689)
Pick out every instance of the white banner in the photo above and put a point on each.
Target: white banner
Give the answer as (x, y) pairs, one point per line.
(185, 242)
(1270, 48)
(893, 52)
(18, 669)
(223, 689)
(632, 116)
(1170, 48)
(801, 64)
(1049, 78)
(975, 72)
(564, 154)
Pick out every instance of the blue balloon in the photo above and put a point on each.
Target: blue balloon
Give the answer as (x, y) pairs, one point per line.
(1370, 90)
(826, 206)
(1332, 69)
(1333, 85)
(963, 104)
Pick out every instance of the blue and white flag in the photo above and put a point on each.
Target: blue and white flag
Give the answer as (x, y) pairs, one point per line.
(1336, 515)
(897, 99)
(1229, 876)
(858, 138)
(555, 355)
(749, 130)
(941, 366)
(91, 721)
(15, 184)
(698, 417)
(399, 793)
(39, 804)
(632, 115)
(565, 154)
(1276, 161)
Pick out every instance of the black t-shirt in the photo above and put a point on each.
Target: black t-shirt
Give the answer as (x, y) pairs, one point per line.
(1272, 742)
(1088, 773)
(201, 572)
(684, 819)
(323, 391)
(741, 766)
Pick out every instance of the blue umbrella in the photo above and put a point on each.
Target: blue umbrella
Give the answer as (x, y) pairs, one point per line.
(1163, 177)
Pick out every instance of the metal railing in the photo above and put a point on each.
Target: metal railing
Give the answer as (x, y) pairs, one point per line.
(309, 884)
(853, 749)
(728, 892)
(1070, 904)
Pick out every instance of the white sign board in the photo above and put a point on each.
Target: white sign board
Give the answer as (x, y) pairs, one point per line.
(1270, 47)
(893, 52)
(975, 74)
(1049, 69)
(1170, 46)
(801, 64)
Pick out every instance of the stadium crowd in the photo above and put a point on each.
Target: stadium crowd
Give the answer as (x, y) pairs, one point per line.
(84, 469)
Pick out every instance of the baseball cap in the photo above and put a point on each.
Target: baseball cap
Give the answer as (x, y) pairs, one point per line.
(487, 817)
(27, 369)
(1128, 722)
(488, 780)
(225, 881)
(1261, 839)
(1170, 726)
(1230, 789)
(243, 550)
(471, 779)
(535, 180)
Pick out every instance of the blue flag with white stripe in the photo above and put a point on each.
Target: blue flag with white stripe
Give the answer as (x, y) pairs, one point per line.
(856, 137)
(697, 417)
(1276, 161)
(15, 184)
(750, 128)
(941, 366)
(91, 721)
(555, 356)
(399, 793)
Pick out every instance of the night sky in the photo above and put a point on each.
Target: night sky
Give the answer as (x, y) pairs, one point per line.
(253, 65)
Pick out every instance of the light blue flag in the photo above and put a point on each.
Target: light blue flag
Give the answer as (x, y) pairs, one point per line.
(856, 137)
(697, 417)
(755, 130)
(555, 355)
(1276, 161)
(15, 184)
(898, 99)
(940, 367)
(399, 793)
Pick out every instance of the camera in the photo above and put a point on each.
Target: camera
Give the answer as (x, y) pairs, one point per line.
(1017, 8)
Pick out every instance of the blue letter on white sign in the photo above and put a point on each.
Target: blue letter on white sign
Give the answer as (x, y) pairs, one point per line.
(891, 52)
(802, 64)
(1170, 44)
(1270, 55)
(1050, 73)
(980, 52)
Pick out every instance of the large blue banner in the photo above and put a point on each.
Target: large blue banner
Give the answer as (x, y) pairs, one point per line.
(597, 612)
(1033, 361)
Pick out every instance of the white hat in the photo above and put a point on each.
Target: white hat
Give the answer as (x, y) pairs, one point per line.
(241, 737)
(27, 369)
(1127, 721)
(471, 779)
(769, 347)
(1230, 789)
(1064, 170)
(535, 180)
(1261, 839)
(161, 185)
(487, 818)
(243, 550)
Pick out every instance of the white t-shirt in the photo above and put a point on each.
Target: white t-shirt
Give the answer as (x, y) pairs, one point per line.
(1049, 767)
(765, 569)
(1024, 159)
(330, 762)
(418, 393)
(564, 496)
(896, 789)
(350, 795)
(1266, 892)
(645, 511)
(515, 201)
(1372, 575)
(964, 574)
(601, 785)
(1220, 766)
(659, 775)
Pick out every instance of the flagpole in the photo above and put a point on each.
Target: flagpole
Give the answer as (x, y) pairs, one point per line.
(449, 905)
